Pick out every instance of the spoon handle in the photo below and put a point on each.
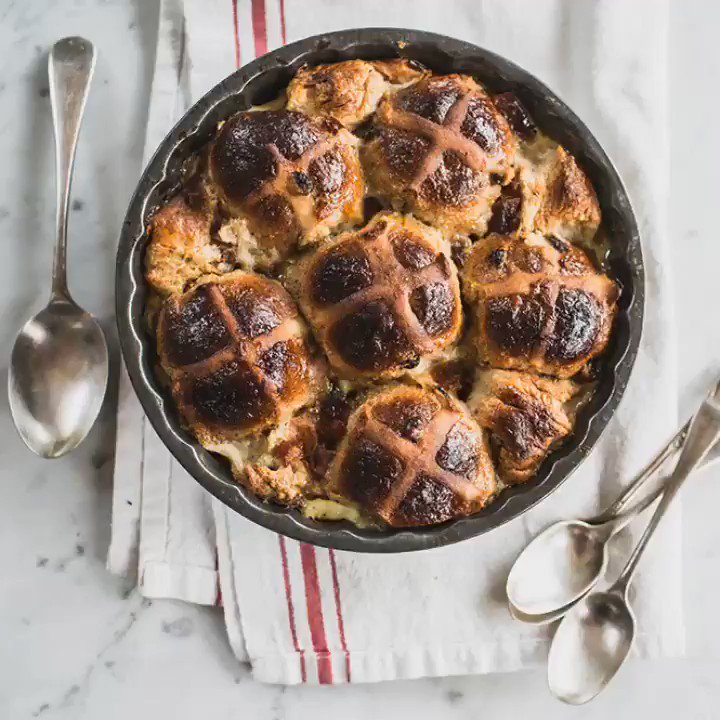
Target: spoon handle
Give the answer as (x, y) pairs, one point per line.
(640, 480)
(70, 68)
(703, 433)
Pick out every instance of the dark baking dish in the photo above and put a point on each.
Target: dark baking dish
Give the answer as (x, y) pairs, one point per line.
(261, 81)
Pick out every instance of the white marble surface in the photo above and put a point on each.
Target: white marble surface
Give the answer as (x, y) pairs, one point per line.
(76, 643)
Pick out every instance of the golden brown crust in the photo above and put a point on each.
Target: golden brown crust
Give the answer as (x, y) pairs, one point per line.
(570, 197)
(569, 207)
(539, 306)
(550, 195)
(381, 298)
(347, 91)
(235, 350)
(180, 249)
(283, 485)
(412, 457)
(437, 142)
(400, 71)
(525, 415)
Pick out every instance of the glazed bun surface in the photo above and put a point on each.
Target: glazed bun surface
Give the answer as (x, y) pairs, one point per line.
(526, 416)
(235, 351)
(382, 298)
(437, 144)
(541, 306)
(293, 178)
(413, 458)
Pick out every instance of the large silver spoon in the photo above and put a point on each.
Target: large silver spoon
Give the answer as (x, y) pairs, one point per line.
(594, 639)
(59, 365)
(567, 559)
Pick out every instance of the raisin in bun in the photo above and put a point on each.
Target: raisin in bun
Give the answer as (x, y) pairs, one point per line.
(348, 91)
(413, 457)
(437, 143)
(289, 178)
(540, 305)
(382, 298)
(526, 416)
(235, 351)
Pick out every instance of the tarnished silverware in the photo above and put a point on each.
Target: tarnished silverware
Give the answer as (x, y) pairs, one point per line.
(59, 365)
(594, 638)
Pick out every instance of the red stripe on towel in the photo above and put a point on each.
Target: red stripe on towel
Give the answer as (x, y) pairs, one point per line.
(339, 613)
(259, 22)
(236, 33)
(283, 33)
(291, 608)
(315, 614)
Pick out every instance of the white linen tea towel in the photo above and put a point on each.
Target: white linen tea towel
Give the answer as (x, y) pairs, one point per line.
(299, 613)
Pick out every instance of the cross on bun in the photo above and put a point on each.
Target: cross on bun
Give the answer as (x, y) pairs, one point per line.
(437, 143)
(540, 305)
(348, 91)
(413, 457)
(235, 352)
(381, 298)
(292, 178)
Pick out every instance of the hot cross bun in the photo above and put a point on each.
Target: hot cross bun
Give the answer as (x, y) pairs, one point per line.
(348, 91)
(382, 298)
(235, 351)
(437, 144)
(413, 457)
(291, 178)
(540, 305)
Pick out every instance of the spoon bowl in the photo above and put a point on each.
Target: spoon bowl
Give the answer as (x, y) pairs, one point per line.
(559, 566)
(590, 646)
(57, 379)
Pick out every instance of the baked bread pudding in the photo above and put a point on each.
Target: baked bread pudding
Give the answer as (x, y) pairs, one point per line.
(380, 297)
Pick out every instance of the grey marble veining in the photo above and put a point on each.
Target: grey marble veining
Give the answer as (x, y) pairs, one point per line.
(78, 643)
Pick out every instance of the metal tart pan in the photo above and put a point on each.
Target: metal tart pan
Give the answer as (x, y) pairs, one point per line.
(259, 82)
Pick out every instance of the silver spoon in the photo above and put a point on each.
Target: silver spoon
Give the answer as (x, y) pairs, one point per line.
(595, 637)
(566, 560)
(59, 365)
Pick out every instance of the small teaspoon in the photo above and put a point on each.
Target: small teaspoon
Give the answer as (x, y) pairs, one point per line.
(59, 364)
(594, 639)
